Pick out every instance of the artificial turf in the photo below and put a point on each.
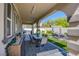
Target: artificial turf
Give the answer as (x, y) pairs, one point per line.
(60, 43)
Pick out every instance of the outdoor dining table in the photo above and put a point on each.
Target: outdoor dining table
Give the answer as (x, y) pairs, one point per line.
(37, 37)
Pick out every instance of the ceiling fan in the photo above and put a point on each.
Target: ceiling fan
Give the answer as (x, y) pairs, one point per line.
(32, 12)
(33, 9)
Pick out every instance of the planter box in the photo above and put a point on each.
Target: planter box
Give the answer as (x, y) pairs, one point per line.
(14, 50)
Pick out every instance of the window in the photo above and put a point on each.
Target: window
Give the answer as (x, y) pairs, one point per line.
(13, 21)
(8, 21)
(8, 28)
(16, 24)
(8, 10)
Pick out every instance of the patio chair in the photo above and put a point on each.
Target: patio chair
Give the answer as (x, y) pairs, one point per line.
(43, 41)
(32, 39)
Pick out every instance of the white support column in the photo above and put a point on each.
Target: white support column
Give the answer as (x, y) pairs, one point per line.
(38, 26)
(32, 29)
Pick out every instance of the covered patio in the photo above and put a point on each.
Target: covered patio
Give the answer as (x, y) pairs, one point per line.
(30, 44)
(32, 14)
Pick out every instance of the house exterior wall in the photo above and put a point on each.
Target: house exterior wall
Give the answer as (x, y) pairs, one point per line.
(2, 29)
(59, 30)
(2, 47)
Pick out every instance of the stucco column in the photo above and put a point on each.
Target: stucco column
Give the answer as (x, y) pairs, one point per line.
(37, 25)
(32, 29)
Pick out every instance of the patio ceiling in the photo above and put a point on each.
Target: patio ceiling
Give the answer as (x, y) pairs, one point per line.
(30, 12)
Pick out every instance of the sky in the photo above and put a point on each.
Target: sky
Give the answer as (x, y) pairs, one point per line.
(57, 14)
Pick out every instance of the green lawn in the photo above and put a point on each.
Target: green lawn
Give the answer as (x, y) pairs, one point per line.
(60, 43)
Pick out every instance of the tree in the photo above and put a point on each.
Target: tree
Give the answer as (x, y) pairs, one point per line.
(57, 22)
(61, 22)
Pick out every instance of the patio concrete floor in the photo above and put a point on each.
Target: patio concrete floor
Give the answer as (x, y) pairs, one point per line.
(48, 49)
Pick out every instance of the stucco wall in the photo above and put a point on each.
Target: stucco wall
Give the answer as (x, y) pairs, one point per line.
(2, 50)
(74, 24)
(75, 16)
(73, 32)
